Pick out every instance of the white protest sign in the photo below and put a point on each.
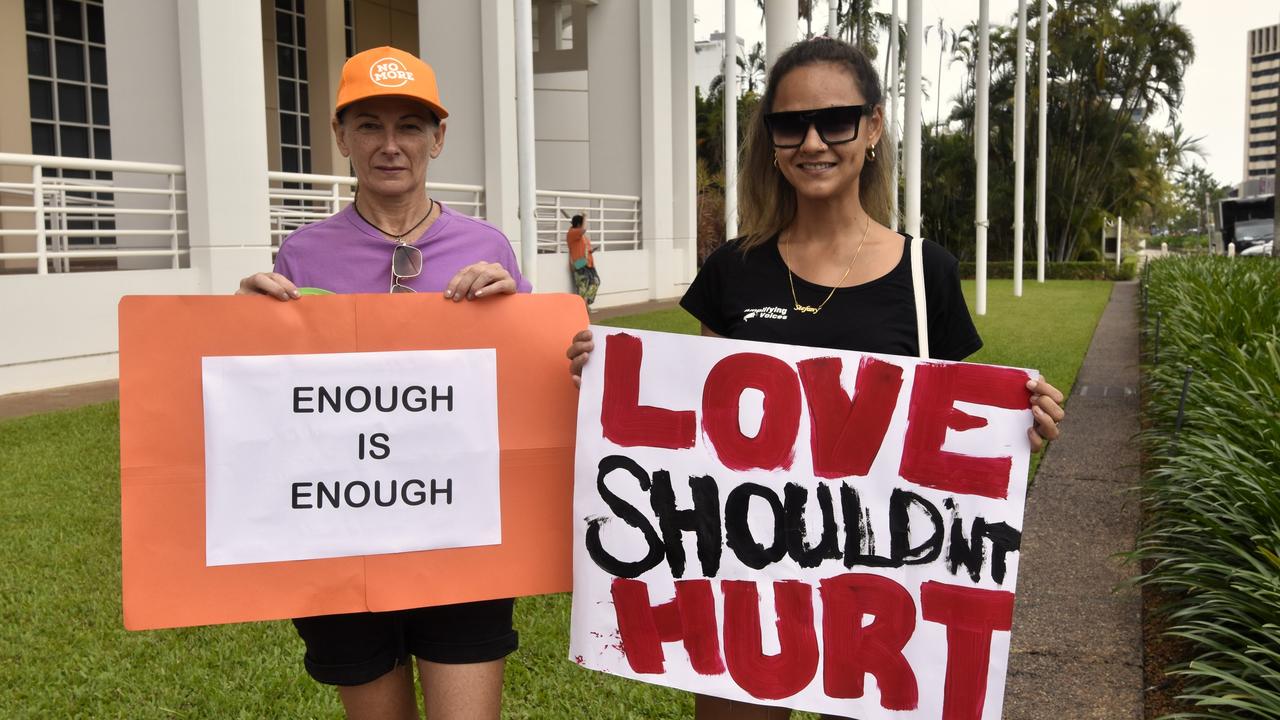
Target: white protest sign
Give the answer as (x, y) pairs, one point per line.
(822, 530)
(334, 455)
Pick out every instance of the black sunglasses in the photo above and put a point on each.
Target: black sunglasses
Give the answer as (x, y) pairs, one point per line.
(406, 263)
(835, 125)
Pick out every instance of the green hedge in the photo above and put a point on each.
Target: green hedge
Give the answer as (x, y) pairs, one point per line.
(1212, 490)
(1054, 270)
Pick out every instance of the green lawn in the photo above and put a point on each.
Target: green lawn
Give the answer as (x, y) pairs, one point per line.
(65, 653)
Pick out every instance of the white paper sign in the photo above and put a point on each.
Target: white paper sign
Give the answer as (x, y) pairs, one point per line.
(822, 530)
(334, 455)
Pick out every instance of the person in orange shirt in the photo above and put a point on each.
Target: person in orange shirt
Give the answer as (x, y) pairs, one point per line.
(583, 266)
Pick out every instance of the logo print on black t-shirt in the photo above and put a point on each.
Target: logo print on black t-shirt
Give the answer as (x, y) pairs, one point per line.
(764, 313)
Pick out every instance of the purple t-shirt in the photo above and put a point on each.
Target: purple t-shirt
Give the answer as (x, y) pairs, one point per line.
(344, 254)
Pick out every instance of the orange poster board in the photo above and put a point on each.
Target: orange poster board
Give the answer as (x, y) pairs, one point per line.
(162, 340)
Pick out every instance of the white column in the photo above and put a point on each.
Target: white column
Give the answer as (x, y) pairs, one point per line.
(730, 121)
(498, 87)
(981, 100)
(656, 198)
(911, 119)
(683, 144)
(781, 27)
(1019, 145)
(833, 18)
(893, 119)
(1119, 240)
(225, 140)
(1043, 155)
(525, 141)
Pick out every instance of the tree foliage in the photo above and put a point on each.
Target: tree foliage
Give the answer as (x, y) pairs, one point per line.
(1111, 67)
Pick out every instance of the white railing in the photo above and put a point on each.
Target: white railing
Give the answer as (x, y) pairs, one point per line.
(297, 199)
(612, 221)
(69, 219)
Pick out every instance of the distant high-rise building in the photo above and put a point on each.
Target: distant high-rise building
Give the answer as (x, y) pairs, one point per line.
(1261, 111)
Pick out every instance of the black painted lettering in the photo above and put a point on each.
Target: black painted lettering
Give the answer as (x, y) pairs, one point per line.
(447, 398)
(365, 398)
(828, 546)
(627, 513)
(857, 532)
(415, 398)
(300, 493)
(417, 497)
(377, 494)
(391, 403)
(703, 520)
(299, 399)
(378, 447)
(364, 494)
(322, 492)
(900, 549)
(738, 534)
(334, 401)
(447, 491)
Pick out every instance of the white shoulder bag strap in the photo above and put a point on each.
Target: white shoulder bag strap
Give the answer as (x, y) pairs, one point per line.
(917, 285)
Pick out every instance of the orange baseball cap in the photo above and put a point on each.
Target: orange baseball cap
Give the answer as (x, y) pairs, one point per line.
(387, 71)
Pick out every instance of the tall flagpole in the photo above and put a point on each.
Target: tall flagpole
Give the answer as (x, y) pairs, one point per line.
(1019, 146)
(1042, 159)
(525, 154)
(981, 106)
(893, 114)
(730, 121)
(911, 119)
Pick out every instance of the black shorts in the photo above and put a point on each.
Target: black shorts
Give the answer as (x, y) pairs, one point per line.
(358, 648)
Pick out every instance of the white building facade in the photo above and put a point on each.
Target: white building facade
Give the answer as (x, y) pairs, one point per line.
(166, 147)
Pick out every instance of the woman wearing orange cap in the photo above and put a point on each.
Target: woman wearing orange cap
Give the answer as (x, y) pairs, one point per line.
(394, 237)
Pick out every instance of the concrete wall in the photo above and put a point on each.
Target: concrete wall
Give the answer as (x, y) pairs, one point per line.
(15, 127)
(614, 109)
(451, 44)
(562, 130)
(144, 90)
(69, 337)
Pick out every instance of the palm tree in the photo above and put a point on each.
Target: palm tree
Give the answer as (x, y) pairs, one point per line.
(755, 67)
(943, 45)
(805, 13)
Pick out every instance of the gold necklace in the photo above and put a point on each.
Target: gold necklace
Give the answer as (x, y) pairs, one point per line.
(790, 275)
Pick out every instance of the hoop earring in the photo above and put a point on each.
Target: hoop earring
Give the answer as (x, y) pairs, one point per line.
(775, 161)
(871, 154)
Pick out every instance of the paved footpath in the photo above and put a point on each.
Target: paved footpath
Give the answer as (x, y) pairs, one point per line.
(1077, 639)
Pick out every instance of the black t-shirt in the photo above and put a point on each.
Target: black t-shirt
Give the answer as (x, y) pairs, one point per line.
(746, 296)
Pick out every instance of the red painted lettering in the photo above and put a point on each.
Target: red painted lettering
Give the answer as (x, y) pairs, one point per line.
(933, 397)
(624, 420)
(851, 651)
(690, 617)
(846, 432)
(773, 447)
(770, 677)
(971, 616)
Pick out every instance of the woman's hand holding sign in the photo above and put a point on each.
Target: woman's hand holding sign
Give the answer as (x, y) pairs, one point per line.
(479, 280)
(578, 353)
(1046, 407)
(273, 284)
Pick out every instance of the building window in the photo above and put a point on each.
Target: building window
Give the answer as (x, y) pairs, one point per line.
(349, 25)
(67, 85)
(564, 26)
(291, 80)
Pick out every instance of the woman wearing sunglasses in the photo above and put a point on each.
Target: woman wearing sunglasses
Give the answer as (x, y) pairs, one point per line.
(814, 197)
(394, 237)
